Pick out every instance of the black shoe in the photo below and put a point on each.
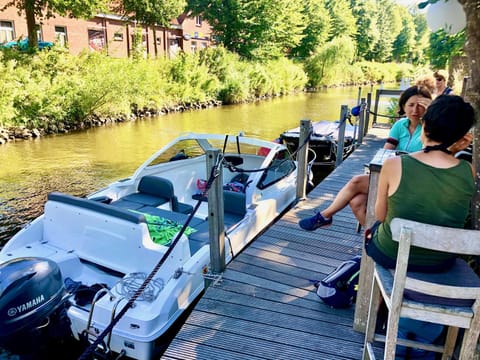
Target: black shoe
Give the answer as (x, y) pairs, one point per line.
(314, 222)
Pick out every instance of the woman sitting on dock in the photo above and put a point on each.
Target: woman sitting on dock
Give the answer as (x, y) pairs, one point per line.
(430, 186)
(404, 136)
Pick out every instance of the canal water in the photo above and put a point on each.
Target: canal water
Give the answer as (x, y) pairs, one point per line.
(79, 163)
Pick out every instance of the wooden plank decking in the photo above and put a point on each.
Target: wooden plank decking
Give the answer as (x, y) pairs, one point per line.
(265, 306)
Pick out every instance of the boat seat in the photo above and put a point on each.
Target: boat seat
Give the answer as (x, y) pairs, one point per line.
(234, 207)
(101, 234)
(171, 215)
(234, 203)
(153, 191)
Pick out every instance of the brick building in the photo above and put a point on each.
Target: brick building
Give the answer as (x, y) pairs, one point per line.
(111, 33)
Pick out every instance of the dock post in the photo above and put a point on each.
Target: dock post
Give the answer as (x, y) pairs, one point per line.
(375, 111)
(464, 86)
(302, 158)
(341, 135)
(367, 117)
(215, 219)
(361, 121)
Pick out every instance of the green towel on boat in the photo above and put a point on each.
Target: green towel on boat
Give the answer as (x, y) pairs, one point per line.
(163, 230)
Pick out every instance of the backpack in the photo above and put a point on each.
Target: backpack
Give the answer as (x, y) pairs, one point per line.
(339, 288)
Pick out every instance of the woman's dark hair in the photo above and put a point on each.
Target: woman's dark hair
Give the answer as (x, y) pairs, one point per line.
(408, 93)
(447, 119)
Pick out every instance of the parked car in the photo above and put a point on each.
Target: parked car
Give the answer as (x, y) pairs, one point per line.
(22, 44)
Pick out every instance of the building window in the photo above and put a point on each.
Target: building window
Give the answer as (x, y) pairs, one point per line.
(61, 35)
(6, 31)
(39, 32)
(174, 48)
(193, 46)
(159, 41)
(118, 36)
(96, 40)
(203, 45)
(198, 21)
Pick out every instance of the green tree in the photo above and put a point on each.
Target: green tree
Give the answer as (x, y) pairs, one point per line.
(333, 56)
(37, 10)
(368, 33)
(153, 12)
(443, 46)
(342, 19)
(404, 43)
(317, 28)
(389, 25)
(258, 29)
(421, 39)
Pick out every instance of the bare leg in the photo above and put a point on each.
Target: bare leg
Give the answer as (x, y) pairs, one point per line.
(358, 185)
(359, 207)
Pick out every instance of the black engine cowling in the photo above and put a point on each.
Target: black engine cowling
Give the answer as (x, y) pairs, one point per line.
(31, 292)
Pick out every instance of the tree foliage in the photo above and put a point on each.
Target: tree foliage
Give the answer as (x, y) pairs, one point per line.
(342, 19)
(317, 30)
(153, 12)
(404, 42)
(389, 25)
(332, 57)
(256, 29)
(421, 39)
(368, 32)
(443, 46)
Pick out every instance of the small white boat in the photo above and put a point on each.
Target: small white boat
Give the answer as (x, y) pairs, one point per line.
(323, 140)
(86, 257)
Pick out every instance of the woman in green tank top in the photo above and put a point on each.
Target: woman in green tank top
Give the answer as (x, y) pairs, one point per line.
(429, 186)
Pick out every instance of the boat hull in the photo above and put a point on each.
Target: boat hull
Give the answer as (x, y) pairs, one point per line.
(323, 141)
(108, 243)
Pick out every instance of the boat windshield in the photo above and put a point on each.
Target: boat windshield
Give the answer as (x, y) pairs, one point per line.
(192, 148)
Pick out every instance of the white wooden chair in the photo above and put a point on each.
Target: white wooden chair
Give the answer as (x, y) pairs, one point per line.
(416, 295)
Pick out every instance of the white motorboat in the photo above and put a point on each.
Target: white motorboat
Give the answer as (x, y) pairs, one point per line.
(324, 140)
(78, 265)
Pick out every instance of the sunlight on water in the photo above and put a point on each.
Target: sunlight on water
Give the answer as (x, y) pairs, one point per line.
(80, 163)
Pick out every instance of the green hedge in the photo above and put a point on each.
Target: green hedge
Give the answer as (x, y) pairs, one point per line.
(53, 86)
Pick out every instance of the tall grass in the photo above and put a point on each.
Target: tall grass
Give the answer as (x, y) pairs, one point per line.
(54, 87)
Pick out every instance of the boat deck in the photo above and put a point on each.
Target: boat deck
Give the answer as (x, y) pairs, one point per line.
(265, 306)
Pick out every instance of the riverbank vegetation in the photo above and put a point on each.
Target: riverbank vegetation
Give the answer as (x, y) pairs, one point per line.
(53, 91)
(266, 48)
(54, 87)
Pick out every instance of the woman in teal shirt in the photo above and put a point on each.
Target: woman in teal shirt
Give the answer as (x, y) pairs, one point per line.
(404, 136)
(405, 133)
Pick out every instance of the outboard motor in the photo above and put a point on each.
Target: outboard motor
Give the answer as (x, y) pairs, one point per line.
(32, 310)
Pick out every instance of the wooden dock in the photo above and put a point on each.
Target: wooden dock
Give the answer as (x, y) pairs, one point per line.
(265, 306)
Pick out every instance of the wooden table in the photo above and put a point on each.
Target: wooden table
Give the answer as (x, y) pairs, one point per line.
(366, 266)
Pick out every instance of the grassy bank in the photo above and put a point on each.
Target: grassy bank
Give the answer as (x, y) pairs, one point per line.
(53, 91)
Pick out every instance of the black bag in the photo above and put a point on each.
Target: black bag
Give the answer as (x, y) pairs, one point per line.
(339, 288)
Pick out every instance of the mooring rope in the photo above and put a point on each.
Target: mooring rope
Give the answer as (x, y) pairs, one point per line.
(91, 348)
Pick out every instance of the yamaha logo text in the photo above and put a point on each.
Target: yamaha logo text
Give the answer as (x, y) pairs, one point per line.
(26, 306)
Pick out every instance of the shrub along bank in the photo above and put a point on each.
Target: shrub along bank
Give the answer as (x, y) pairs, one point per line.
(53, 91)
